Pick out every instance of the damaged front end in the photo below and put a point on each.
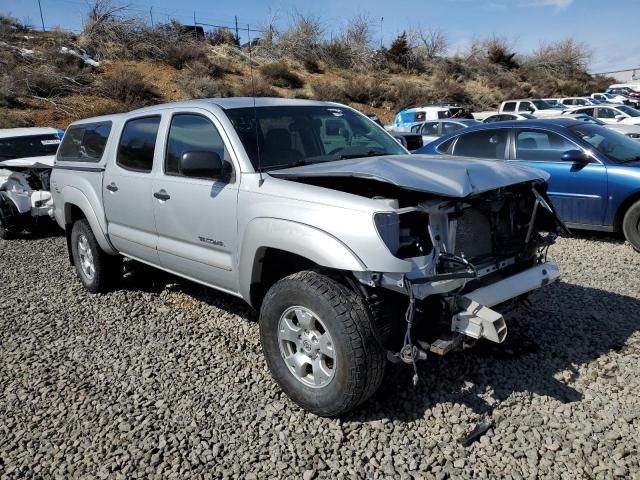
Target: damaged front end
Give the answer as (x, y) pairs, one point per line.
(25, 199)
(468, 256)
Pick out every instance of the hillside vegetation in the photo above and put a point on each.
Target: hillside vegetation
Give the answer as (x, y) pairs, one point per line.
(40, 84)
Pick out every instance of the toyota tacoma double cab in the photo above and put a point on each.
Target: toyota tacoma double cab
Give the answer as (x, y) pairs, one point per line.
(353, 252)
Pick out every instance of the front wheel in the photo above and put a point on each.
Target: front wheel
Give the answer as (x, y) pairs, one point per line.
(97, 270)
(319, 345)
(631, 225)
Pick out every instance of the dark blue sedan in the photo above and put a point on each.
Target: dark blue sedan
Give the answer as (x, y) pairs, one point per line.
(595, 171)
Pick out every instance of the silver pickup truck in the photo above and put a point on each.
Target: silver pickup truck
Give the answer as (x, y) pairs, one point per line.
(353, 252)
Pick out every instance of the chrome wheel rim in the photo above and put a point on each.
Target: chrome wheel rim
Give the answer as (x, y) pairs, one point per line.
(86, 257)
(306, 347)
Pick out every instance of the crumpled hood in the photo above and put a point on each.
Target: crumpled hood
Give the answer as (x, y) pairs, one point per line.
(45, 161)
(442, 175)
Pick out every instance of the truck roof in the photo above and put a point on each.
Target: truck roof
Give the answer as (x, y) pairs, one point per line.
(239, 102)
(27, 131)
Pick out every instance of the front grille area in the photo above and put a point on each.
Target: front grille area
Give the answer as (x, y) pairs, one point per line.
(473, 234)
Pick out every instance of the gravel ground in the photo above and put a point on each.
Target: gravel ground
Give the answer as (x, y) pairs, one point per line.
(165, 379)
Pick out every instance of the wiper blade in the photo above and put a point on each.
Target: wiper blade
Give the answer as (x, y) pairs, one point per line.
(370, 153)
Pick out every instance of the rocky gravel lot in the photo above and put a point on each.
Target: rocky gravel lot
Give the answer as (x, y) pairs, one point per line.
(165, 379)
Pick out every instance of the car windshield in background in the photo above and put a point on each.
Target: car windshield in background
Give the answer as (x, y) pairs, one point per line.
(541, 105)
(615, 146)
(299, 135)
(28, 146)
(632, 112)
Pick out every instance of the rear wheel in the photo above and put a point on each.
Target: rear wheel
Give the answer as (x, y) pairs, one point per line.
(4, 233)
(97, 270)
(319, 345)
(631, 225)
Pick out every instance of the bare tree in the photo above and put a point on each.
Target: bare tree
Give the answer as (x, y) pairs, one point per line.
(433, 42)
(564, 56)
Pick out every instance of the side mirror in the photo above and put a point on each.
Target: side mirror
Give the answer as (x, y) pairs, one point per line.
(620, 117)
(575, 156)
(201, 165)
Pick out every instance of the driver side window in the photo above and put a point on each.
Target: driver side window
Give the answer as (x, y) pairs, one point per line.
(430, 128)
(190, 133)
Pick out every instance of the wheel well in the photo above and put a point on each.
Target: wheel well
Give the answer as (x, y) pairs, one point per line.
(622, 209)
(271, 265)
(72, 213)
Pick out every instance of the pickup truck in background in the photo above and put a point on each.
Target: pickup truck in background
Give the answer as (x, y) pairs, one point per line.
(535, 106)
(352, 251)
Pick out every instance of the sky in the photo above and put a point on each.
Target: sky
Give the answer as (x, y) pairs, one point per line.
(610, 29)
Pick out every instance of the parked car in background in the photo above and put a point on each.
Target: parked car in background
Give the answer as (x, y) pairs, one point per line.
(577, 101)
(595, 171)
(610, 98)
(504, 117)
(554, 102)
(611, 113)
(631, 131)
(534, 106)
(431, 130)
(631, 94)
(332, 241)
(26, 160)
(409, 117)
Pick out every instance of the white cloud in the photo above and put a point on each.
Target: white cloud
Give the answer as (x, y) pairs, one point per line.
(559, 4)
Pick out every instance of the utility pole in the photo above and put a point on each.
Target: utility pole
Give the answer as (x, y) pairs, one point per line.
(237, 32)
(151, 15)
(249, 36)
(381, 20)
(195, 25)
(41, 16)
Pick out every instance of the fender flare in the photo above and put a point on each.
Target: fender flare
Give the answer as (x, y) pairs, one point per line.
(73, 196)
(301, 239)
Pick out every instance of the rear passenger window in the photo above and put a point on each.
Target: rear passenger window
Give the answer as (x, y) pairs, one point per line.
(430, 128)
(587, 111)
(509, 107)
(85, 143)
(190, 133)
(540, 145)
(485, 144)
(449, 127)
(524, 107)
(137, 144)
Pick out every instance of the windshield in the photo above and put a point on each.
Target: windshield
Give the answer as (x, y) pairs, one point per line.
(615, 146)
(632, 112)
(541, 104)
(28, 146)
(296, 135)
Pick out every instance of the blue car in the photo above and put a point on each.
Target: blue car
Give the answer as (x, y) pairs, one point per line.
(595, 171)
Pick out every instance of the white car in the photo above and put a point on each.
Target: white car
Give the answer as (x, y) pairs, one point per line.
(410, 117)
(26, 160)
(433, 130)
(503, 117)
(631, 131)
(611, 113)
(609, 98)
(534, 106)
(578, 101)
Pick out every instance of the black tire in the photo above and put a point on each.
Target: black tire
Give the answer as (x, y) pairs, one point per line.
(631, 225)
(4, 233)
(359, 359)
(107, 268)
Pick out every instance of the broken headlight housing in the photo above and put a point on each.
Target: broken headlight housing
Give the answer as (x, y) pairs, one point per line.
(388, 227)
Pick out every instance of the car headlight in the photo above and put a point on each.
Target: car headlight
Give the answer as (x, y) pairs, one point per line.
(388, 227)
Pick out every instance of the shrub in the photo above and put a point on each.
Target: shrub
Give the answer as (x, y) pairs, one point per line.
(279, 75)
(370, 91)
(312, 65)
(181, 53)
(128, 87)
(13, 120)
(257, 88)
(399, 50)
(323, 90)
(203, 87)
(222, 36)
(408, 94)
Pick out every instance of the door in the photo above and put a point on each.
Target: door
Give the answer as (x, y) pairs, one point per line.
(196, 217)
(578, 190)
(127, 190)
(607, 114)
(430, 131)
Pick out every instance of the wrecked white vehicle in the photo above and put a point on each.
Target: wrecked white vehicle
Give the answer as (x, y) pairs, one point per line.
(353, 251)
(26, 160)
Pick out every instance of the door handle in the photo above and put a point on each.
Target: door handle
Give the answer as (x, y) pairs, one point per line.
(112, 187)
(162, 195)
